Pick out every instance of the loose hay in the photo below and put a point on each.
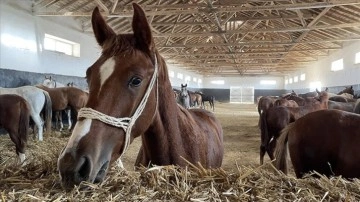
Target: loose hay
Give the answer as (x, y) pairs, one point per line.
(39, 181)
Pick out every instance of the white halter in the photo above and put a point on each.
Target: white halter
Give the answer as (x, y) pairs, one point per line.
(125, 123)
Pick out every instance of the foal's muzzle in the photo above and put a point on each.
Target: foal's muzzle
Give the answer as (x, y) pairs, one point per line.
(73, 171)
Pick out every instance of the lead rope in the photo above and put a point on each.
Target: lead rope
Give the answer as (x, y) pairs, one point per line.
(125, 123)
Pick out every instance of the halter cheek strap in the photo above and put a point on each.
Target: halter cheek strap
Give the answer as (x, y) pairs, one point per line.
(125, 123)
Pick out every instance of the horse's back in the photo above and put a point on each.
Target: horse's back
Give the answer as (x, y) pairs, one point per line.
(326, 141)
(205, 131)
(33, 95)
(10, 108)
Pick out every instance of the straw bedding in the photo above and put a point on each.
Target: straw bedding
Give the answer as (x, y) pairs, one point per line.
(236, 181)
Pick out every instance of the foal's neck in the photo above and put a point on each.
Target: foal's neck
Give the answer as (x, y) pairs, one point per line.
(162, 140)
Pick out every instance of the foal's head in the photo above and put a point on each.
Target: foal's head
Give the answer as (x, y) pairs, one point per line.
(118, 82)
(184, 92)
(49, 82)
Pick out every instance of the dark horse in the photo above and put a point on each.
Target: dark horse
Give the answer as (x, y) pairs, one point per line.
(14, 118)
(131, 70)
(277, 118)
(207, 98)
(326, 141)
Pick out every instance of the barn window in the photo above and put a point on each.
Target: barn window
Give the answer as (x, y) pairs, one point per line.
(357, 58)
(171, 74)
(296, 79)
(286, 81)
(302, 77)
(337, 65)
(199, 81)
(315, 85)
(187, 78)
(218, 82)
(194, 79)
(180, 76)
(53, 43)
(267, 82)
(290, 80)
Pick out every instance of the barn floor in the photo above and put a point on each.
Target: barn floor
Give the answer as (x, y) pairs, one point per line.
(240, 179)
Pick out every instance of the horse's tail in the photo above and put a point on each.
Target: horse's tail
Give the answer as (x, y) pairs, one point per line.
(48, 111)
(23, 130)
(281, 151)
(264, 135)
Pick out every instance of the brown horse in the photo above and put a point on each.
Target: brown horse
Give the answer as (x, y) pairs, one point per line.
(131, 70)
(344, 106)
(66, 97)
(348, 90)
(285, 103)
(195, 99)
(326, 141)
(277, 118)
(14, 118)
(207, 98)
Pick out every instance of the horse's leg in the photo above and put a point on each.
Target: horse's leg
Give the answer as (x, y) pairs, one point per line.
(271, 148)
(14, 136)
(68, 113)
(141, 159)
(39, 125)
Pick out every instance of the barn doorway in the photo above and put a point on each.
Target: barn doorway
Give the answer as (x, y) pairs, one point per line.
(240, 94)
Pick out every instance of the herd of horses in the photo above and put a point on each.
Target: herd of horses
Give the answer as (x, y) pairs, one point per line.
(36, 104)
(187, 98)
(130, 96)
(320, 132)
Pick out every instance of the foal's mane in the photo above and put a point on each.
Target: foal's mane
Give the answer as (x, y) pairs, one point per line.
(119, 44)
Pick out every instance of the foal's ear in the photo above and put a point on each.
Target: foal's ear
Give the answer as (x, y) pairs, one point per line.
(317, 91)
(142, 30)
(326, 89)
(102, 31)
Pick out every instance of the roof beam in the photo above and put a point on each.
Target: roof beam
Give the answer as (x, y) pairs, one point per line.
(247, 53)
(189, 9)
(267, 30)
(260, 42)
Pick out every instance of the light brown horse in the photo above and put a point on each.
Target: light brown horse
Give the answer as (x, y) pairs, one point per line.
(130, 80)
(66, 97)
(14, 118)
(326, 141)
(277, 118)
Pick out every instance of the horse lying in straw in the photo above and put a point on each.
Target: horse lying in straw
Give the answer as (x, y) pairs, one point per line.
(131, 70)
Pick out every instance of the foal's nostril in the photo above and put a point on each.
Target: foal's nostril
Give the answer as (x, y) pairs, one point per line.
(84, 171)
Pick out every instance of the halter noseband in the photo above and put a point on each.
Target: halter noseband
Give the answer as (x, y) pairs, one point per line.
(125, 123)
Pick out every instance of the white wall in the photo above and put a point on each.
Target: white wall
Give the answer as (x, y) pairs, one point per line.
(244, 82)
(176, 82)
(320, 70)
(17, 21)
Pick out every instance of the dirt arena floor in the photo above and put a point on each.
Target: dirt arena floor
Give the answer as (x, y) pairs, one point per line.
(241, 136)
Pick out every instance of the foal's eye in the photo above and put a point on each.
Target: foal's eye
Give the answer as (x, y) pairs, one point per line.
(135, 81)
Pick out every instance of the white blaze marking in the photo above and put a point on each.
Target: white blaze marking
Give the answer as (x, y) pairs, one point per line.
(80, 130)
(106, 70)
